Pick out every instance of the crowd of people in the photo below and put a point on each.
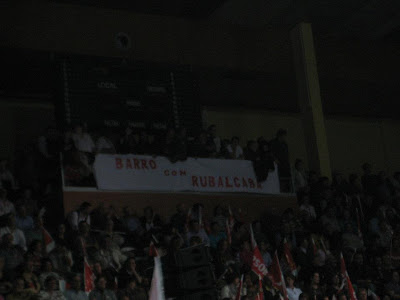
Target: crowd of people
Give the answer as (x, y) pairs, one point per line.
(358, 217)
(42, 257)
(80, 149)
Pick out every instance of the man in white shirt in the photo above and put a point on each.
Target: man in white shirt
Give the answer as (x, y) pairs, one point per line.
(292, 292)
(80, 215)
(234, 149)
(230, 290)
(18, 235)
(83, 141)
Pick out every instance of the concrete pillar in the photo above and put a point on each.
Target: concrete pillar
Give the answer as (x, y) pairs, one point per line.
(310, 98)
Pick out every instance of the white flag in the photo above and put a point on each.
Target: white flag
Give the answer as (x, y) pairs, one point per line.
(157, 284)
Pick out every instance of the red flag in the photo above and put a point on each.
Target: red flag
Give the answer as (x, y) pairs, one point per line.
(153, 250)
(343, 270)
(258, 265)
(276, 276)
(239, 291)
(289, 258)
(48, 241)
(157, 285)
(88, 277)
(228, 232)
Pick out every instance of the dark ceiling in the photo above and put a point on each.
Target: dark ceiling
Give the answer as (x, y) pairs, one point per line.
(367, 19)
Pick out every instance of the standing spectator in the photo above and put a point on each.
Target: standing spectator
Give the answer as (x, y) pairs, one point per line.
(23, 221)
(216, 235)
(251, 152)
(213, 138)
(292, 292)
(127, 143)
(82, 140)
(75, 293)
(300, 176)
(280, 150)
(6, 207)
(234, 149)
(27, 200)
(20, 292)
(100, 292)
(7, 180)
(202, 147)
(13, 255)
(18, 235)
(196, 231)
(229, 291)
(369, 181)
(61, 258)
(179, 219)
(50, 292)
(82, 214)
(105, 143)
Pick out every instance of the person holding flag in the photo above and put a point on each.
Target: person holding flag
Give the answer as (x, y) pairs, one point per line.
(345, 275)
(233, 289)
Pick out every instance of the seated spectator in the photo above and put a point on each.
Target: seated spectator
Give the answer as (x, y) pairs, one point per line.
(216, 235)
(75, 292)
(47, 271)
(196, 230)
(20, 292)
(292, 292)
(109, 255)
(179, 220)
(203, 147)
(100, 292)
(28, 201)
(105, 144)
(224, 153)
(229, 291)
(129, 272)
(7, 180)
(219, 217)
(18, 235)
(335, 286)
(315, 290)
(350, 239)
(251, 152)
(23, 221)
(359, 271)
(37, 232)
(50, 291)
(305, 206)
(117, 239)
(393, 286)
(300, 176)
(132, 291)
(234, 149)
(35, 253)
(131, 221)
(329, 221)
(31, 281)
(76, 171)
(82, 214)
(81, 244)
(61, 258)
(5, 285)
(13, 255)
(6, 207)
(151, 223)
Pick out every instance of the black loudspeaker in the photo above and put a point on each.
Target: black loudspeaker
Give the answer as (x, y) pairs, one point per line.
(197, 279)
(191, 257)
(210, 294)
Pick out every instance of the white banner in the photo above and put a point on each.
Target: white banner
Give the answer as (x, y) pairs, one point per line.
(147, 173)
